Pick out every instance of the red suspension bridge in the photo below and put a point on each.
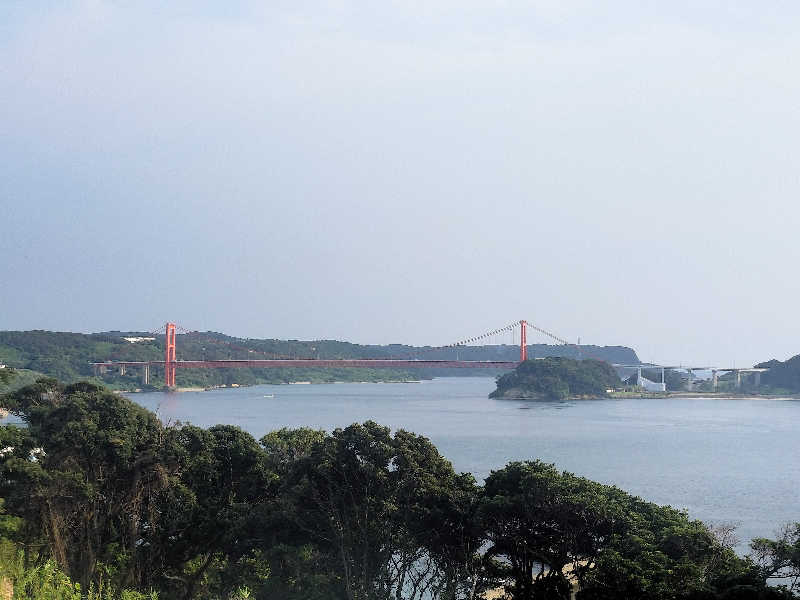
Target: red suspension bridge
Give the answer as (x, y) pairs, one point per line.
(171, 364)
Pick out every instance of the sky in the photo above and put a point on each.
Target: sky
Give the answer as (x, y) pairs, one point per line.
(412, 172)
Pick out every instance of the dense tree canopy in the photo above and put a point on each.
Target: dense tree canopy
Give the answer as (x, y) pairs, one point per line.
(557, 378)
(96, 486)
(83, 475)
(782, 376)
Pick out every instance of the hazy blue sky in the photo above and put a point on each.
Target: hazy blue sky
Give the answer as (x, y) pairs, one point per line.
(416, 172)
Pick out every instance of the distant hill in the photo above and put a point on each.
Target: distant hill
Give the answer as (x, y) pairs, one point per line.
(557, 378)
(782, 376)
(67, 356)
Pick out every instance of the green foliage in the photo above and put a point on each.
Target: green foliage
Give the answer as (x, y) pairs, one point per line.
(557, 379)
(20, 379)
(207, 541)
(555, 529)
(782, 376)
(378, 515)
(83, 475)
(47, 582)
(6, 375)
(779, 559)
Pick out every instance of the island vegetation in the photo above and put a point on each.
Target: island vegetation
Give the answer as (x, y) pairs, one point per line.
(557, 378)
(783, 376)
(101, 500)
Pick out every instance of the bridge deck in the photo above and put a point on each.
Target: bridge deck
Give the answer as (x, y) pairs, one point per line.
(367, 363)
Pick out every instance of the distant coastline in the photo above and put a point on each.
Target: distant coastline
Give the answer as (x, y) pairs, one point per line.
(631, 395)
(684, 394)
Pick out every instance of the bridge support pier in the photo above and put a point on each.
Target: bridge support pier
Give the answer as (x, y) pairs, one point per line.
(757, 378)
(714, 379)
(146, 374)
(122, 369)
(738, 379)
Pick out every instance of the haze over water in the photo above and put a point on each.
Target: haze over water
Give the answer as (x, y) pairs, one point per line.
(725, 461)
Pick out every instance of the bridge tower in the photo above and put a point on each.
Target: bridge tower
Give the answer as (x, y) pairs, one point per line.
(169, 356)
(523, 340)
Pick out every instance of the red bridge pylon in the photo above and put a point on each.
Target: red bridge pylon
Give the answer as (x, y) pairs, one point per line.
(169, 356)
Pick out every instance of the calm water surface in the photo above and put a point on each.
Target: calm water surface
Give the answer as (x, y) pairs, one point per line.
(726, 461)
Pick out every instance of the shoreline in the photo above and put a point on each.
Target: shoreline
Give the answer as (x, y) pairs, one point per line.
(611, 396)
(653, 396)
(704, 395)
(181, 390)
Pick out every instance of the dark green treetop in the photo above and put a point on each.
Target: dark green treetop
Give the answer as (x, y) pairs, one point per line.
(557, 378)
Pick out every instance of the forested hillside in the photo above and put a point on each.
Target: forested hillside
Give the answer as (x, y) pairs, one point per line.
(557, 378)
(67, 356)
(782, 376)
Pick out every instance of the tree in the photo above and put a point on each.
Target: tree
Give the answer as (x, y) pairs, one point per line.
(206, 543)
(661, 554)
(546, 526)
(6, 375)
(553, 531)
(782, 375)
(779, 559)
(84, 475)
(382, 515)
(557, 378)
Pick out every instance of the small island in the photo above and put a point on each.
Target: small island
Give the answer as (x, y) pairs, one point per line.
(557, 378)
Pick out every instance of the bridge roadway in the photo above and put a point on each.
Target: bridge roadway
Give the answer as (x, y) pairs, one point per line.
(368, 363)
(395, 363)
(382, 363)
